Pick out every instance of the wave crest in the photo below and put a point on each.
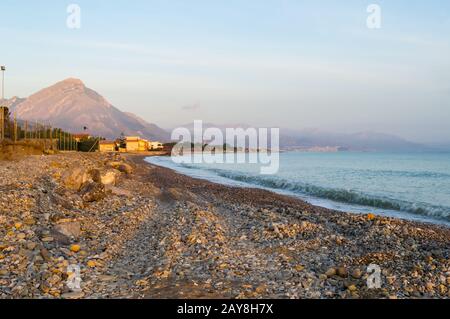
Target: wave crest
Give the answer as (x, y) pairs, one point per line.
(339, 195)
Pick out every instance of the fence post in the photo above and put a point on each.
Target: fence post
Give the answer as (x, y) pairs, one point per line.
(51, 138)
(2, 123)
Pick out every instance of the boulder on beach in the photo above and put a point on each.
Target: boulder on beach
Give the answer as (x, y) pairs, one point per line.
(105, 177)
(109, 177)
(75, 178)
(121, 166)
(69, 229)
(93, 192)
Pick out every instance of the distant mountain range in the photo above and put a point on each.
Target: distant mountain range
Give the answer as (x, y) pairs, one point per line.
(315, 139)
(70, 105)
(361, 141)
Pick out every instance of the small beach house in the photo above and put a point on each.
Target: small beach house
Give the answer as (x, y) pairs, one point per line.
(136, 144)
(132, 143)
(107, 146)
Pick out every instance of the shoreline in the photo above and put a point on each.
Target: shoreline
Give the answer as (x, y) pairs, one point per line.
(322, 202)
(154, 233)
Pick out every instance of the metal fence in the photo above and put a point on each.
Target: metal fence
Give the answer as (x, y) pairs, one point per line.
(13, 130)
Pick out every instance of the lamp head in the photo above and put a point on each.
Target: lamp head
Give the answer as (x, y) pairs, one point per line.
(3, 68)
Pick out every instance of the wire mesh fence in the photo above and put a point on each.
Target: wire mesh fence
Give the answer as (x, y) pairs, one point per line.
(52, 138)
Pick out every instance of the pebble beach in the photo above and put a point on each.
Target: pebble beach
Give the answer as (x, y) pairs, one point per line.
(136, 230)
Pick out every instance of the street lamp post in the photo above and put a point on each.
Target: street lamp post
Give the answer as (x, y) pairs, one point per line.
(2, 109)
(3, 69)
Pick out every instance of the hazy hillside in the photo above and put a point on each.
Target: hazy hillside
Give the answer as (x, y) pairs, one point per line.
(312, 138)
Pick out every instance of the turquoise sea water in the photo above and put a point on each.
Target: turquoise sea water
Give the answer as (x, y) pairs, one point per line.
(411, 186)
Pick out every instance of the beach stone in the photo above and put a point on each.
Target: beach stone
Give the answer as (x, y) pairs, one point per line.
(75, 248)
(45, 254)
(442, 289)
(299, 268)
(47, 239)
(109, 177)
(59, 237)
(73, 295)
(357, 273)
(95, 175)
(125, 168)
(30, 221)
(69, 229)
(118, 191)
(342, 272)
(331, 272)
(352, 288)
(121, 166)
(31, 245)
(93, 192)
(107, 278)
(21, 236)
(75, 178)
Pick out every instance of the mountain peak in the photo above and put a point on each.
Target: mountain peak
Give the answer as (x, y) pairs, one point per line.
(72, 81)
(70, 105)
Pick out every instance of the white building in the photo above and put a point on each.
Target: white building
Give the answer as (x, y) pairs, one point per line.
(156, 146)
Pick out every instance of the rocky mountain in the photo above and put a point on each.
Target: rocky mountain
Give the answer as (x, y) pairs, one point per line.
(71, 106)
(11, 103)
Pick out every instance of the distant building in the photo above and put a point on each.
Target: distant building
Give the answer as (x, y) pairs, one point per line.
(136, 144)
(143, 145)
(132, 143)
(107, 146)
(81, 136)
(156, 146)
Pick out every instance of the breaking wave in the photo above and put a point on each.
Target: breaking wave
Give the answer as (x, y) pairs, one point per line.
(337, 195)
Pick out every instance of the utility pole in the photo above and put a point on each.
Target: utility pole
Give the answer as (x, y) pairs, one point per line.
(2, 123)
(3, 69)
(51, 138)
(15, 128)
(2, 109)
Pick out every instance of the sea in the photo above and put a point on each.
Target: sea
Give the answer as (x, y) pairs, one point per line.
(413, 186)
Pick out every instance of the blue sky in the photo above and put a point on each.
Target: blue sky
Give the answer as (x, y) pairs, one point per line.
(296, 64)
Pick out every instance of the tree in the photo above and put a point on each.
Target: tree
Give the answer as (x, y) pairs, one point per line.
(122, 141)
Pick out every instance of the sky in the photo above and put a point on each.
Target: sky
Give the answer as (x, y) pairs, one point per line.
(274, 63)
